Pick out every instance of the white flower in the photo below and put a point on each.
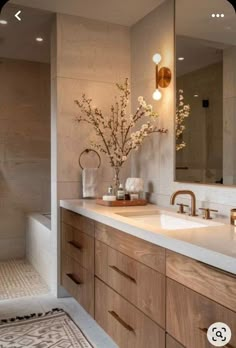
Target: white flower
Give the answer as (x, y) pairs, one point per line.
(144, 126)
(140, 99)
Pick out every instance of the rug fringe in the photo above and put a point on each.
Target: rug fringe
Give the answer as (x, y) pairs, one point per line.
(31, 316)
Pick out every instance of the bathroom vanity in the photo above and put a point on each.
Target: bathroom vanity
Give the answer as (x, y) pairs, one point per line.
(145, 285)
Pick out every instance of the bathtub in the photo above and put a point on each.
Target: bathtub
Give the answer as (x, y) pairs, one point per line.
(38, 241)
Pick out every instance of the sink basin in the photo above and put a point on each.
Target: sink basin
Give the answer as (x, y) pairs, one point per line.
(164, 220)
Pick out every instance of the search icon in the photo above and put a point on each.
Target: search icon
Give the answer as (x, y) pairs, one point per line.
(219, 334)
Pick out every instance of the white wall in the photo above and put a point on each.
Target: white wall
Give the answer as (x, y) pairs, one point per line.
(156, 160)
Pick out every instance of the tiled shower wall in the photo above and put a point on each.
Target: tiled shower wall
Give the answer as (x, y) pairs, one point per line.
(24, 149)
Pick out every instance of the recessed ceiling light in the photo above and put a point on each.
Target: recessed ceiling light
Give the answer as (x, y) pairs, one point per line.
(217, 15)
(180, 58)
(222, 15)
(196, 95)
(39, 39)
(213, 15)
(3, 22)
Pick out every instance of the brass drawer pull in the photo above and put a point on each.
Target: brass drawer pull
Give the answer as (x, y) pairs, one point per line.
(75, 244)
(74, 278)
(217, 269)
(205, 331)
(121, 321)
(123, 273)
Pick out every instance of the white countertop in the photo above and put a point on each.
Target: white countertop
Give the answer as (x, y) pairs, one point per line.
(211, 244)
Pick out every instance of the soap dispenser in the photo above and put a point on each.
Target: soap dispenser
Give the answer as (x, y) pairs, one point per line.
(120, 193)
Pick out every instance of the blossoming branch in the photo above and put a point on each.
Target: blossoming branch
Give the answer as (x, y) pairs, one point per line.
(115, 132)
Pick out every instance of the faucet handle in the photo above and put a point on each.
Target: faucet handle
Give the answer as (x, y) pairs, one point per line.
(181, 208)
(207, 213)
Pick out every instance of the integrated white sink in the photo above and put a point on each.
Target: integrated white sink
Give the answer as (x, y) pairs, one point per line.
(163, 220)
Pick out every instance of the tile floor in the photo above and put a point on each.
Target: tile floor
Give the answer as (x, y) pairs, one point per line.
(19, 279)
(43, 303)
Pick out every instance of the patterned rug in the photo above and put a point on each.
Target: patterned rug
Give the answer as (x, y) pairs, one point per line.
(19, 279)
(53, 329)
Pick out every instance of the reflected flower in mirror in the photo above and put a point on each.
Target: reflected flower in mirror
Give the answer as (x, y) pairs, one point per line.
(182, 112)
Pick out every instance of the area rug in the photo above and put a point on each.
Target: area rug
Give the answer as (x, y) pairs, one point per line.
(54, 329)
(19, 279)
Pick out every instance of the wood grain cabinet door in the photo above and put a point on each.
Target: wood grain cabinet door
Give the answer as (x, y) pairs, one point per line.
(77, 221)
(171, 343)
(147, 253)
(79, 282)
(190, 314)
(78, 246)
(209, 281)
(139, 284)
(128, 326)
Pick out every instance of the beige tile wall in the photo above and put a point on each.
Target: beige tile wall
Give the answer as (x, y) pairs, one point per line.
(90, 57)
(24, 149)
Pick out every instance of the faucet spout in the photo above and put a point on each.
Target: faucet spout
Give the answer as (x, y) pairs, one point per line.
(185, 192)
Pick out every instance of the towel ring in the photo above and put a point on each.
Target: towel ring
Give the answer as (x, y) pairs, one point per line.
(86, 151)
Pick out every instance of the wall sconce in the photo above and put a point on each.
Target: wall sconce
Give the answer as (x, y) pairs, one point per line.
(163, 77)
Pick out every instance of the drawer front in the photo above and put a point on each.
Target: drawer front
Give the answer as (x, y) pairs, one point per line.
(139, 284)
(206, 280)
(77, 221)
(138, 249)
(129, 327)
(171, 343)
(189, 315)
(78, 246)
(78, 282)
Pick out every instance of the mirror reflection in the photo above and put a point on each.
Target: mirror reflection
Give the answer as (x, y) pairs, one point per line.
(205, 92)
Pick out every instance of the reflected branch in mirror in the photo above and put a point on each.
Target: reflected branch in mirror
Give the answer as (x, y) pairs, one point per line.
(182, 112)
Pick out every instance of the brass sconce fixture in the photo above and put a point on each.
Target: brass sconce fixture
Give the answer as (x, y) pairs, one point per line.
(163, 77)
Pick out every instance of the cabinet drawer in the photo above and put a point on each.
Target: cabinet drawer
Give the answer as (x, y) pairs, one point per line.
(78, 282)
(206, 280)
(171, 343)
(139, 284)
(77, 221)
(78, 246)
(140, 250)
(129, 327)
(190, 314)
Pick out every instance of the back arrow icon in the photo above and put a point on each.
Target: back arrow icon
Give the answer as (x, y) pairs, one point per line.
(17, 15)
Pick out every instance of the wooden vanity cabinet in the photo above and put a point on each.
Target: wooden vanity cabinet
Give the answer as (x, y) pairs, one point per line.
(171, 343)
(189, 315)
(141, 294)
(127, 325)
(139, 284)
(77, 258)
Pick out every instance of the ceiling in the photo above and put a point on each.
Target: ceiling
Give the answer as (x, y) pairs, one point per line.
(124, 12)
(197, 54)
(17, 39)
(200, 38)
(193, 19)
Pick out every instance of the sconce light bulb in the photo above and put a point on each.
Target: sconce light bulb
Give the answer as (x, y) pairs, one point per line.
(156, 58)
(157, 95)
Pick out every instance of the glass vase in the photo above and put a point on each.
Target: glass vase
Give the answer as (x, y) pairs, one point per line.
(116, 179)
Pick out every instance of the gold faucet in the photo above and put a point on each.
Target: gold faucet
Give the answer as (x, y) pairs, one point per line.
(186, 192)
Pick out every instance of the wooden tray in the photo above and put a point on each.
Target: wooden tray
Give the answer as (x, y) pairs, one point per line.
(137, 202)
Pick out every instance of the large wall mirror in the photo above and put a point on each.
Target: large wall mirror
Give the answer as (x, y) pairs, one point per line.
(205, 92)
